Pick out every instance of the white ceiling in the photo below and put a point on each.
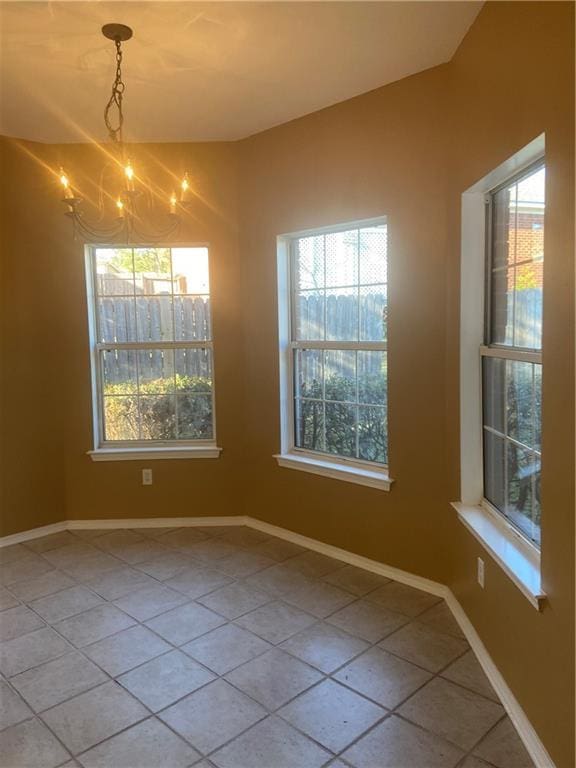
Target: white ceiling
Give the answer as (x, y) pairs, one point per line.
(209, 71)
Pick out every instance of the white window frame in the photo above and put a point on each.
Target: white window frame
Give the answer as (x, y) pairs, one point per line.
(510, 549)
(367, 473)
(133, 450)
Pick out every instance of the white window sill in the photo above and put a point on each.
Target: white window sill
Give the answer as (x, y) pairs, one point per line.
(138, 454)
(347, 473)
(516, 557)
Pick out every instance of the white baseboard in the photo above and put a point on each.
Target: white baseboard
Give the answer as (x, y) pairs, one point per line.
(33, 533)
(529, 737)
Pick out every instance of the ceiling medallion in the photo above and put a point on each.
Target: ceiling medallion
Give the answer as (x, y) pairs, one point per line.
(125, 200)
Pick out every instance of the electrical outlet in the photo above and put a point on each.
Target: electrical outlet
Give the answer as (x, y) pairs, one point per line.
(480, 572)
(146, 477)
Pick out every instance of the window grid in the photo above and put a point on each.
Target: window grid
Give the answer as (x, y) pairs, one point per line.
(512, 353)
(303, 344)
(198, 427)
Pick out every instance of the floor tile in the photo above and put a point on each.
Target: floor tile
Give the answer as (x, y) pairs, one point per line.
(119, 582)
(55, 540)
(332, 715)
(366, 620)
(148, 602)
(226, 647)
(452, 712)
(153, 533)
(92, 566)
(165, 566)
(244, 563)
(57, 680)
(402, 599)
(277, 549)
(318, 598)
(182, 538)
(398, 744)
(30, 650)
(12, 553)
(141, 551)
(30, 745)
(28, 567)
(424, 646)
(197, 581)
(466, 671)
(356, 580)
(13, 709)
(62, 557)
(180, 625)
(213, 715)
(212, 550)
(7, 600)
(91, 717)
(93, 625)
(382, 677)
(115, 540)
(18, 621)
(313, 564)
(242, 536)
(271, 743)
(164, 680)
(503, 748)
(47, 584)
(126, 650)
(324, 646)
(87, 534)
(440, 618)
(276, 621)
(68, 602)
(273, 678)
(235, 599)
(471, 762)
(147, 745)
(277, 580)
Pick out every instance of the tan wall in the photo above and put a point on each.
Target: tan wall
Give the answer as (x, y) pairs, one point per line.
(407, 151)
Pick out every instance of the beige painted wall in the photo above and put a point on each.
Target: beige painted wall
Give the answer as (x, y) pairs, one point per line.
(408, 151)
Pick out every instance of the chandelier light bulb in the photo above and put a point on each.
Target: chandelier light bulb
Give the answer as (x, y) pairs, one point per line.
(120, 207)
(185, 188)
(129, 173)
(66, 184)
(173, 202)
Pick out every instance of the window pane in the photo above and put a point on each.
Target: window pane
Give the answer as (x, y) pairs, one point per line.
(502, 306)
(342, 258)
(308, 373)
(310, 263)
(523, 483)
(190, 270)
(372, 377)
(494, 471)
(520, 411)
(152, 271)
(156, 371)
(538, 407)
(309, 321)
(528, 305)
(503, 230)
(158, 417)
(194, 414)
(309, 426)
(341, 429)
(121, 418)
(116, 319)
(192, 318)
(493, 390)
(340, 375)
(373, 255)
(373, 313)
(119, 375)
(114, 272)
(342, 314)
(193, 370)
(372, 434)
(154, 318)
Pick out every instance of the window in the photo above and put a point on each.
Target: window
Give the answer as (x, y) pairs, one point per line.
(335, 371)
(151, 347)
(511, 355)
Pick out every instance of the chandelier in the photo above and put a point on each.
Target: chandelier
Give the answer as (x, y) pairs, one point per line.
(126, 202)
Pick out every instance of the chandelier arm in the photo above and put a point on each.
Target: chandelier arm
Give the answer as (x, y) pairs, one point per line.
(99, 233)
(146, 237)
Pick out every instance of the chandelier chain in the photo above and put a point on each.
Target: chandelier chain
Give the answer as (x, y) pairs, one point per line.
(116, 98)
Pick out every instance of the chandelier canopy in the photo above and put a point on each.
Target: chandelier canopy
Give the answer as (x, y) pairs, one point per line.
(125, 200)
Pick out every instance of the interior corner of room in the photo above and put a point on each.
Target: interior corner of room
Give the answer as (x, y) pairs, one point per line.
(336, 368)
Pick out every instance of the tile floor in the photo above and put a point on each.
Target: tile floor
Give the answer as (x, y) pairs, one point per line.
(228, 648)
